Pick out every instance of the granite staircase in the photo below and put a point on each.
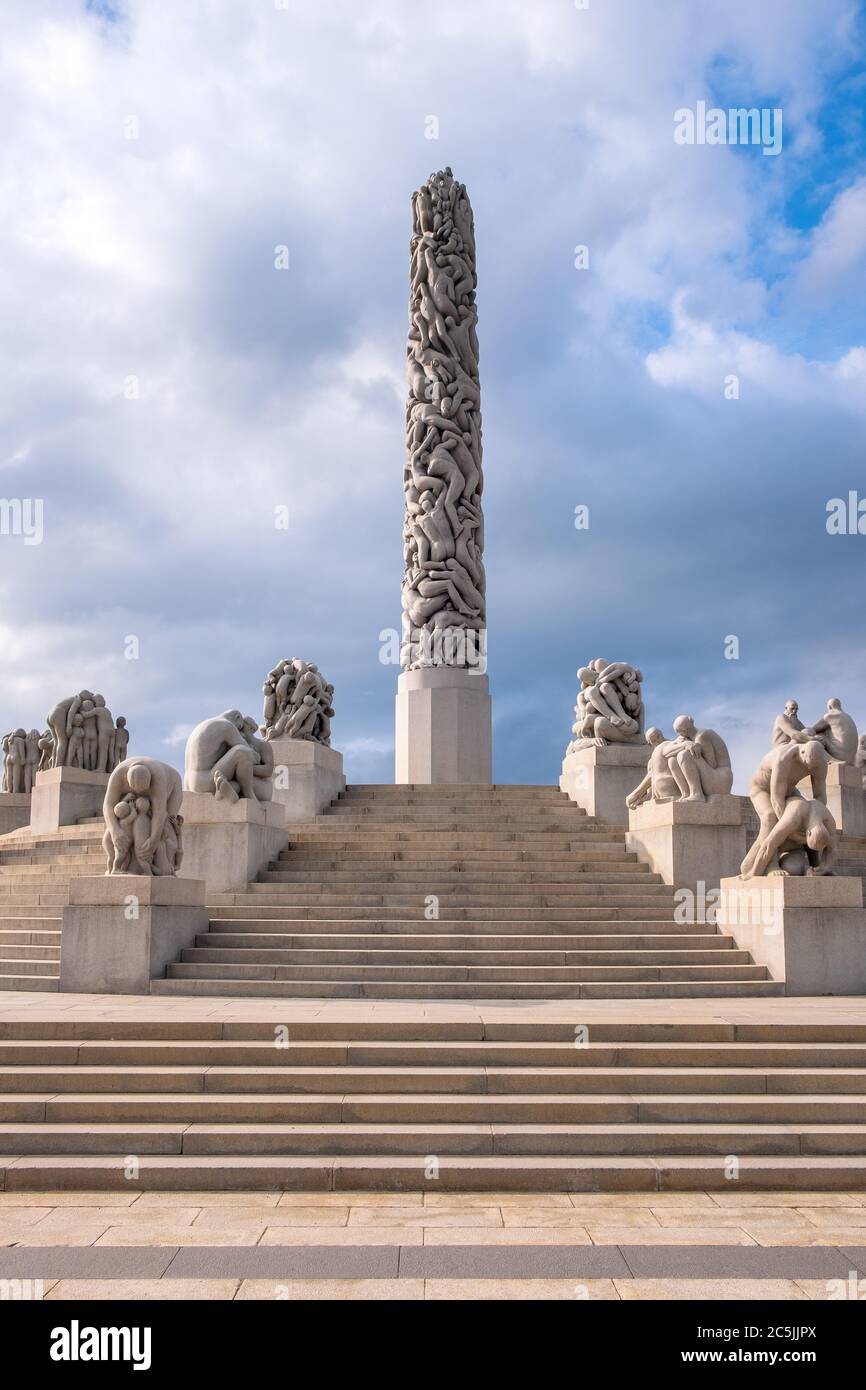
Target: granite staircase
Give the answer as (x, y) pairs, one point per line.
(502, 892)
(434, 1102)
(34, 887)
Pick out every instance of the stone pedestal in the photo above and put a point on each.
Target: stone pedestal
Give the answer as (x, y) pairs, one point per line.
(808, 932)
(64, 795)
(690, 842)
(229, 843)
(600, 779)
(121, 930)
(846, 798)
(14, 811)
(444, 727)
(307, 777)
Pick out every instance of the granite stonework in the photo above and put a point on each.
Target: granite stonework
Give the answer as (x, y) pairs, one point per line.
(229, 843)
(691, 842)
(65, 795)
(14, 811)
(600, 779)
(809, 931)
(120, 931)
(846, 798)
(444, 727)
(308, 776)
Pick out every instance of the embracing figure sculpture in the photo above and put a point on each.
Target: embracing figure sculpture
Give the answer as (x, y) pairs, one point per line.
(224, 756)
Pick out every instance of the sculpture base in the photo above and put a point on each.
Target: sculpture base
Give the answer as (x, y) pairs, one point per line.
(229, 843)
(444, 727)
(120, 931)
(809, 932)
(307, 776)
(690, 842)
(600, 779)
(65, 795)
(14, 811)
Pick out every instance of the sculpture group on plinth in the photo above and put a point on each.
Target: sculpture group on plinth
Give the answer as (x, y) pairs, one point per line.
(143, 821)
(225, 757)
(836, 731)
(24, 754)
(298, 702)
(609, 706)
(693, 766)
(443, 583)
(82, 733)
(797, 834)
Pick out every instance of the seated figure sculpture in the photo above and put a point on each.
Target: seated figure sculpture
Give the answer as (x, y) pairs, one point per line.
(659, 783)
(609, 705)
(836, 730)
(693, 766)
(224, 758)
(142, 818)
(773, 787)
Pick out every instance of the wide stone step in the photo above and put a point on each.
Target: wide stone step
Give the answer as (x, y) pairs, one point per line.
(484, 860)
(30, 982)
(455, 990)
(329, 912)
(199, 968)
(592, 922)
(221, 935)
(242, 952)
(572, 895)
(28, 961)
(29, 937)
(27, 950)
(462, 1173)
(432, 1109)
(439, 1054)
(479, 881)
(450, 1139)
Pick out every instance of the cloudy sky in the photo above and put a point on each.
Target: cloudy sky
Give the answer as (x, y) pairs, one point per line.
(165, 387)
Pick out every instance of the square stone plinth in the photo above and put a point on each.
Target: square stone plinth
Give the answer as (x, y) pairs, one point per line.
(229, 843)
(444, 728)
(600, 779)
(308, 776)
(14, 811)
(808, 931)
(65, 795)
(120, 931)
(846, 798)
(690, 842)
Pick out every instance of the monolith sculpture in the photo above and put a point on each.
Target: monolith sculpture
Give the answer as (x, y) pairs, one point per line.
(443, 729)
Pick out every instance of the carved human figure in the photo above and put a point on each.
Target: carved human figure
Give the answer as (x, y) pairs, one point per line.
(659, 783)
(17, 760)
(60, 721)
(143, 836)
(776, 781)
(699, 761)
(789, 728)
(75, 742)
(119, 743)
(220, 759)
(31, 756)
(860, 758)
(609, 705)
(46, 750)
(803, 841)
(838, 733)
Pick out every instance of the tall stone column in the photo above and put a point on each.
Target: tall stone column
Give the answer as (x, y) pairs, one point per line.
(444, 727)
